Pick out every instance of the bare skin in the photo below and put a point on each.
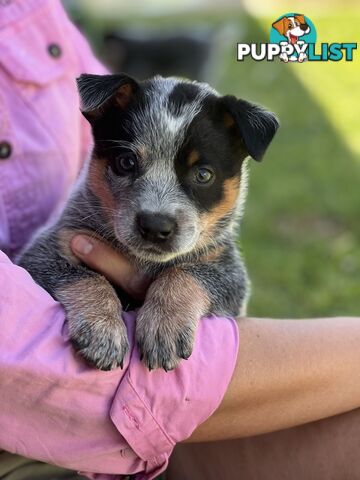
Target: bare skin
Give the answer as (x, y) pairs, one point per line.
(289, 373)
(324, 450)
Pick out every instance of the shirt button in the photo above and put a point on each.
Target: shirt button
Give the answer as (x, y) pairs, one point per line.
(54, 50)
(5, 150)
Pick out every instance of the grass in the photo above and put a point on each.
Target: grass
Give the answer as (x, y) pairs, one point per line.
(301, 231)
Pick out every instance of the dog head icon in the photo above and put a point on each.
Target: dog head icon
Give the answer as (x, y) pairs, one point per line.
(292, 27)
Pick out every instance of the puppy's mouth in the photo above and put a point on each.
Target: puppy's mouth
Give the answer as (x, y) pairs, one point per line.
(160, 253)
(154, 253)
(293, 38)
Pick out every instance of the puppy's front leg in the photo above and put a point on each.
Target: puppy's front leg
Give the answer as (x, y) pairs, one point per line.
(92, 306)
(166, 324)
(94, 318)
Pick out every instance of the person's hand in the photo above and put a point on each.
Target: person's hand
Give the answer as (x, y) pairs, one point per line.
(110, 263)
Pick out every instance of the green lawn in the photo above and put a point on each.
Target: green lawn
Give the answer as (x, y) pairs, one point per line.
(302, 227)
(301, 230)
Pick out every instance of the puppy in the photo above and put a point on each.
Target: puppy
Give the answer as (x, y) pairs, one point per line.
(165, 186)
(292, 28)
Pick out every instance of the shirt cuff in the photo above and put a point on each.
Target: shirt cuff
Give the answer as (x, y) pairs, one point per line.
(155, 410)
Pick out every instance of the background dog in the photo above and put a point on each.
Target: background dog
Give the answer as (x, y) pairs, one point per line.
(165, 185)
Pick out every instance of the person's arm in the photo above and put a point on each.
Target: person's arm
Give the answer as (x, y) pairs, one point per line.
(57, 409)
(288, 372)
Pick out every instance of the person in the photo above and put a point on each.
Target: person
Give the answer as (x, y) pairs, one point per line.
(58, 410)
(54, 407)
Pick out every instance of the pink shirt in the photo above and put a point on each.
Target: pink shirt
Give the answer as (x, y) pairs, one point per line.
(54, 407)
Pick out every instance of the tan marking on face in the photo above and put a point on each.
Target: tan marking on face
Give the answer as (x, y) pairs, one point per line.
(228, 120)
(192, 158)
(99, 186)
(231, 191)
(209, 220)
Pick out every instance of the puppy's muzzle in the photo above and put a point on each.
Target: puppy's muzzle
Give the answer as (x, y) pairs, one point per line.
(156, 227)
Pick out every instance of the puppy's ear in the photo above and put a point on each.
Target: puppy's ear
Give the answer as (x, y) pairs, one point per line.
(300, 18)
(253, 124)
(98, 92)
(281, 25)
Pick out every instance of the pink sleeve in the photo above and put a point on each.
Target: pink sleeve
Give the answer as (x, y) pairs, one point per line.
(57, 409)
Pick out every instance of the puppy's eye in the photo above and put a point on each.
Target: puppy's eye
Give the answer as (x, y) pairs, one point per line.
(290, 25)
(124, 164)
(203, 175)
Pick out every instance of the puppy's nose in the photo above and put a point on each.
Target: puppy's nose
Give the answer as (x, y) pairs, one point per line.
(155, 227)
(304, 27)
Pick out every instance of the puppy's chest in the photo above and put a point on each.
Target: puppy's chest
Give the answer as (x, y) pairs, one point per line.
(169, 272)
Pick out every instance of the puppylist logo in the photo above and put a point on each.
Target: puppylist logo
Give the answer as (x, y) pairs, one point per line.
(293, 39)
(294, 33)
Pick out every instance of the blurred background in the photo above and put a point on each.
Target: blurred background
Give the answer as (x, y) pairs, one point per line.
(301, 231)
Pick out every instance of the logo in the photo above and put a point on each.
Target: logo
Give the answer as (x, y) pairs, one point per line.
(294, 33)
(293, 39)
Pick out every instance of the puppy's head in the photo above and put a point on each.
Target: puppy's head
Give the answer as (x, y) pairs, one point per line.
(292, 27)
(167, 159)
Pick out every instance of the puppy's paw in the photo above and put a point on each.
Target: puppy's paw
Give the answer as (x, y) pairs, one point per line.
(101, 342)
(96, 328)
(163, 342)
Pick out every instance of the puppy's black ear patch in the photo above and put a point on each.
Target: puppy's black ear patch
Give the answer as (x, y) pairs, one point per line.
(255, 125)
(97, 92)
(182, 94)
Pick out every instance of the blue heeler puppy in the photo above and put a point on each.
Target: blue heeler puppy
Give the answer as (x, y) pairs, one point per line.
(165, 185)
